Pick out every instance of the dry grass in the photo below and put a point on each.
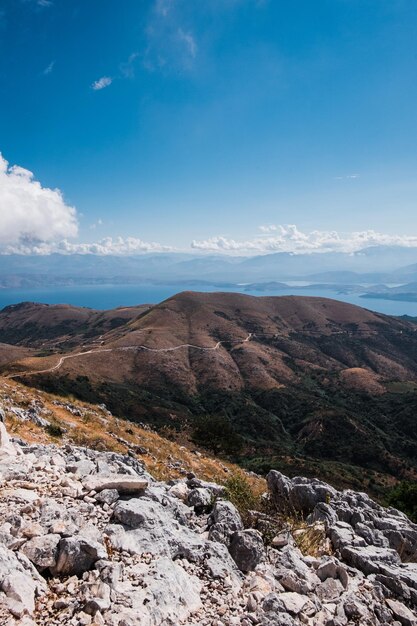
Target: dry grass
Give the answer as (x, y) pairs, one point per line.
(310, 539)
(163, 458)
(94, 428)
(361, 379)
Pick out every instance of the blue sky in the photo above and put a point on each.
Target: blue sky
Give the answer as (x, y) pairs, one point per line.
(179, 120)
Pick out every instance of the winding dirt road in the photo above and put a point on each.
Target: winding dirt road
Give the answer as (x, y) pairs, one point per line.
(64, 358)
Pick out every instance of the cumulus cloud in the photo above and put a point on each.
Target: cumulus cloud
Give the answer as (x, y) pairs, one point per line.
(102, 83)
(30, 213)
(36, 220)
(109, 246)
(96, 224)
(288, 238)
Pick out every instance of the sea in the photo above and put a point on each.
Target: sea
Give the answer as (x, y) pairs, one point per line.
(104, 297)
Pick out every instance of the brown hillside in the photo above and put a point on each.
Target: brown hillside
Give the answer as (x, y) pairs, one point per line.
(291, 381)
(175, 343)
(10, 354)
(48, 326)
(84, 424)
(221, 341)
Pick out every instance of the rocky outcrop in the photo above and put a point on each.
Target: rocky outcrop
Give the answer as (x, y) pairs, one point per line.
(90, 537)
(7, 449)
(379, 542)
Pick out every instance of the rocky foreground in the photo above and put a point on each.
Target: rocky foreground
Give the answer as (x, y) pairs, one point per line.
(90, 537)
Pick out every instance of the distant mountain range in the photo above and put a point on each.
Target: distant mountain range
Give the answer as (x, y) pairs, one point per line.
(379, 267)
(376, 261)
(296, 383)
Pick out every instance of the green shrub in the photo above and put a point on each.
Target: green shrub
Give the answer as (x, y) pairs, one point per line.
(240, 493)
(216, 433)
(404, 498)
(54, 430)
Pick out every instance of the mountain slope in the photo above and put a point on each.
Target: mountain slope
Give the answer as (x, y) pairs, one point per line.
(306, 384)
(42, 418)
(46, 326)
(10, 354)
(90, 537)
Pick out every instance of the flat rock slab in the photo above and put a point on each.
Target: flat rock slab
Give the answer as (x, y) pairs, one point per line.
(293, 602)
(402, 613)
(123, 483)
(26, 495)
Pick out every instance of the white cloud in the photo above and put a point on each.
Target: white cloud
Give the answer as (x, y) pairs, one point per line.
(268, 228)
(163, 7)
(127, 69)
(49, 68)
(38, 4)
(119, 246)
(97, 224)
(102, 83)
(30, 213)
(36, 220)
(108, 246)
(189, 42)
(289, 238)
(170, 46)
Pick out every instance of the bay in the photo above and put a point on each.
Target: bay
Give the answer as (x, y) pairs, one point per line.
(111, 296)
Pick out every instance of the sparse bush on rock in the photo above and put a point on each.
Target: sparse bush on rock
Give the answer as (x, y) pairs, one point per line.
(404, 498)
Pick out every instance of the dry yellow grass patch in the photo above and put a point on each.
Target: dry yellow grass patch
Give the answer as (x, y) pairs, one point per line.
(94, 428)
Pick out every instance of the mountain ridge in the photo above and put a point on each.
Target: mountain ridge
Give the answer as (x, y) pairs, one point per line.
(215, 266)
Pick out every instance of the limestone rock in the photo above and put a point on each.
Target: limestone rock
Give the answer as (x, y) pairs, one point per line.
(107, 496)
(199, 498)
(7, 448)
(298, 494)
(19, 589)
(180, 491)
(18, 583)
(224, 521)
(402, 613)
(114, 547)
(247, 549)
(120, 482)
(77, 555)
(42, 551)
